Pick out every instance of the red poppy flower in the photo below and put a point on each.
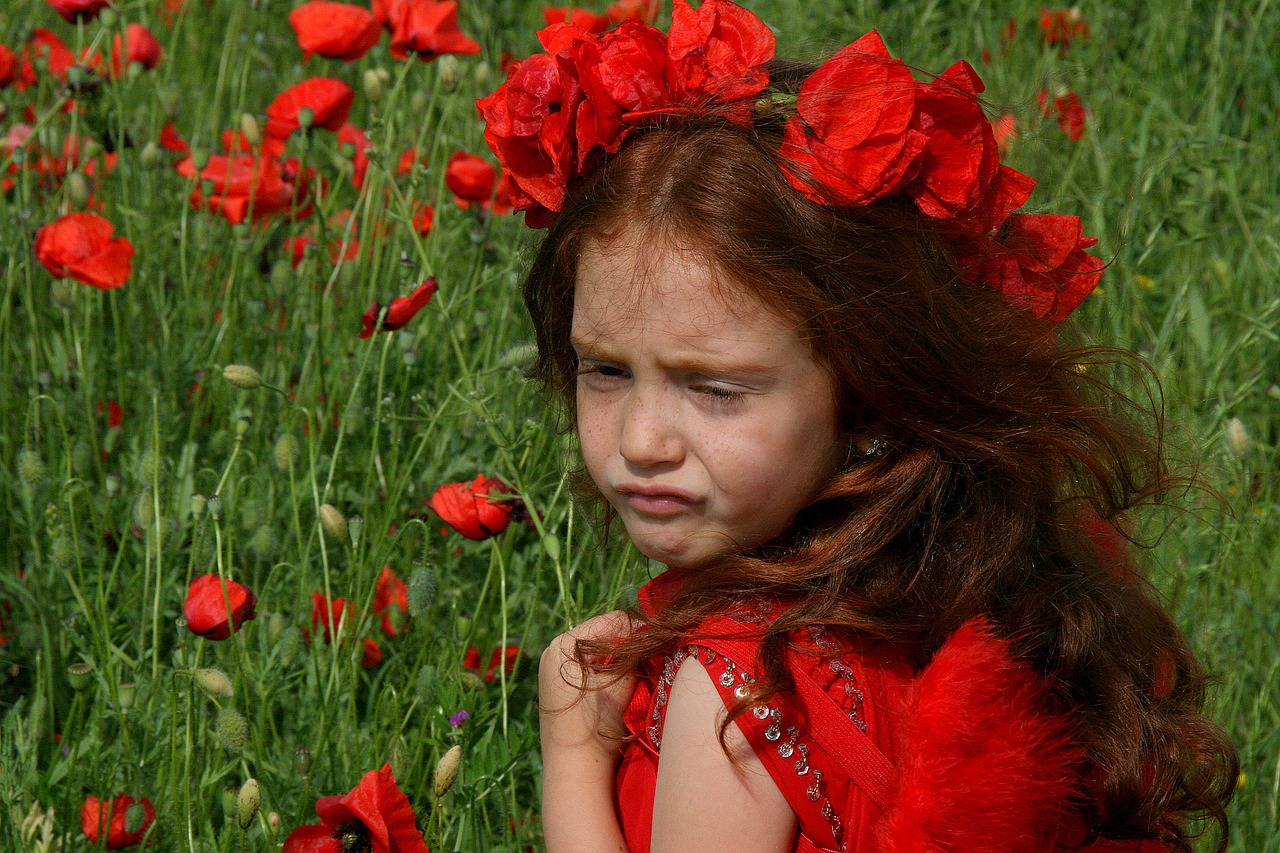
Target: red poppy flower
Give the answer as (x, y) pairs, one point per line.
(247, 185)
(408, 159)
(80, 246)
(208, 608)
(718, 52)
(400, 311)
(390, 592)
(1063, 26)
(371, 654)
(505, 658)
(471, 660)
(140, 46)
(112, 823)
(328, 98)
(466, 507)
(171, 140)
(58, 57)
(8, 66)
(335, 30)
(1037, 262)
(427, 28)
(423, 218)
(85, 10)
(469, 178)
(115, 414)
(1006, 130)
(1071, 116)
(351, 135)
(327, 614)
(375, 814)
(851, 136)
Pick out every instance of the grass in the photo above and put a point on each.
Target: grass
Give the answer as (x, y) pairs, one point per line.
(1173, 172)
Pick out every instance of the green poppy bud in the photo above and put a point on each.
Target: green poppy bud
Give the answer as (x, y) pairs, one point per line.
(447, 770)
(242, 376)
(248, 801)
(214, 682)
(333, 521)
(233, 729)
(31, 467)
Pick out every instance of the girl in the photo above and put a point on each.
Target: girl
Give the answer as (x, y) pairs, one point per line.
(809, 350)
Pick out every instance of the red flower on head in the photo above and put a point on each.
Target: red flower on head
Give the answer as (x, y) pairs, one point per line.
(401, 310)
(140, 46)
(375, 815)
(640, 10)
(469, 178)
(327, 613)
(718, 52)
(335, 30)
(85, 10)
(214, 613)
(852, 134)
(390, 592)
(112, 823)
(467, 508)
(80, 246)
(1037, 262)
(328, 98)
(427, 28)
(959, 174)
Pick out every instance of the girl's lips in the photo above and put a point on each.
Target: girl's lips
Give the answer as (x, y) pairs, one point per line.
(656, 500)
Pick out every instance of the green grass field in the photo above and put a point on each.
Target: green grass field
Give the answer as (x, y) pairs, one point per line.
(100, 536)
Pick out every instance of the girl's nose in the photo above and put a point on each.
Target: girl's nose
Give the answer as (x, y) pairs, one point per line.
(649, 436)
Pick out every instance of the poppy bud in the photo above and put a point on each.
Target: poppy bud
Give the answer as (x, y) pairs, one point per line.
(447, 771)
(77, 189)
(233, 729)
(263, 542)
(424, 686)
(62, 552)
(471, 680)
(31, 467)
(199, 159)
(422, 590)
(230, 794)
(306, 117)
(134, 818)
(214, 682)
(302, 760)
(284, 453)
(419, 102)
(449, 71)
(355, 526)
(243, 423)
(125, 694)
(242, 376)
(332, 521)
(79, 676)
(482, 73)
(63, 292)
(150, 156)
(144, 511)
(248, 801)
(198, 503)
(1238, 440)
(112, 483)
(250, 129)
(374, 82)
(150, 466)
(214, 504)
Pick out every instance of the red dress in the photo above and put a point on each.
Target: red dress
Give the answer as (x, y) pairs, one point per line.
(888, 794)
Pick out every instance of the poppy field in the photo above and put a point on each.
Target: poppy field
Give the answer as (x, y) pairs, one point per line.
(284, 527)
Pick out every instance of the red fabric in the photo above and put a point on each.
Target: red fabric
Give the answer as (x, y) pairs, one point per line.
(874, 684)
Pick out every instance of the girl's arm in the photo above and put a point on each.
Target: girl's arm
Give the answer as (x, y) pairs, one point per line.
(582, 735)
(705, 801)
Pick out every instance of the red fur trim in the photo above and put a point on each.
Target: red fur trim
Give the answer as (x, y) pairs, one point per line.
(984, 767)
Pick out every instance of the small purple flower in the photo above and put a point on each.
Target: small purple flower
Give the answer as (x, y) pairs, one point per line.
(459, 718)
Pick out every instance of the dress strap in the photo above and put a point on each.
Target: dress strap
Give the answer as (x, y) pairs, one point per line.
(840, 738)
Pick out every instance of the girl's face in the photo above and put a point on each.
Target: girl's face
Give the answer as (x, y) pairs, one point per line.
(704, 419)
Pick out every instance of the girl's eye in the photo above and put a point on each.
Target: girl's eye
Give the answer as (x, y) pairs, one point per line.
(719, 393)
(600, 374)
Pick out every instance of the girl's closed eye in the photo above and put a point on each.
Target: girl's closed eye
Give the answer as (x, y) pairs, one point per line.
(600, 374)
(718, 393)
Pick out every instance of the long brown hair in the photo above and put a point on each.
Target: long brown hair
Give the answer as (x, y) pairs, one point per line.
(1002, 446)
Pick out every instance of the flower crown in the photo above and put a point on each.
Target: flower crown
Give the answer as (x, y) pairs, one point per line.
(862, 128)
